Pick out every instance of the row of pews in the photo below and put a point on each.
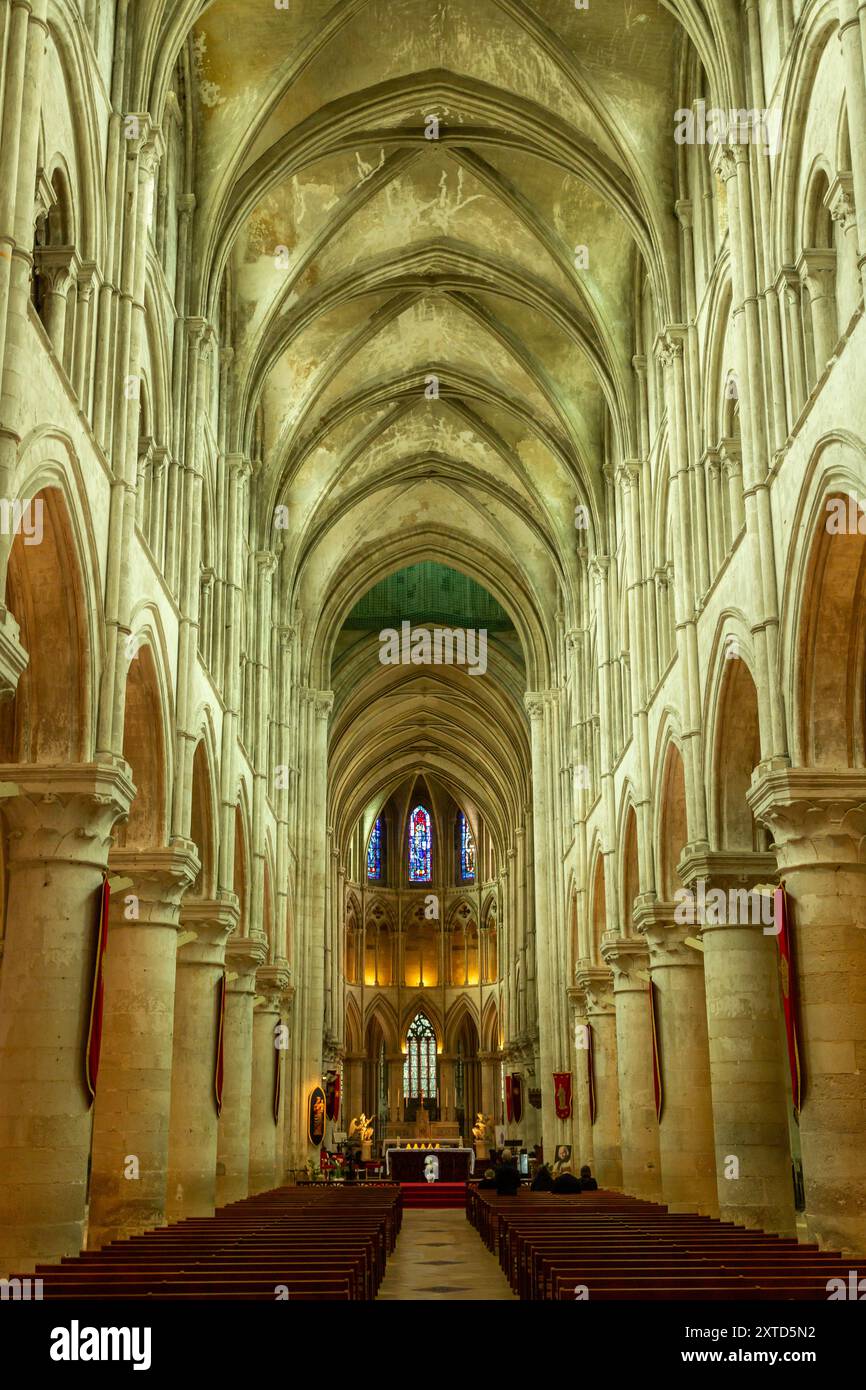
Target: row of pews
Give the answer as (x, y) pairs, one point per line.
(313, 1242)
(605, 1245)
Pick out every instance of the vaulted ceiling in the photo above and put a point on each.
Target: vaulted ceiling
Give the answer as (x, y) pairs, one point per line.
(429, 220)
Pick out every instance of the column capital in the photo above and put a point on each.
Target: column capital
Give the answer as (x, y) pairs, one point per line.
(628, 474)
(816, 267)
(244, 954)
(13, 657)
(725, 868)
(273, 982)
(65, 811)
(159, 878)
(57, 266)
(596, 984)
(817, 816)
(628, 958)
(665, 938)
(839, 200)
(668, 345)
(322, 700)
(207, 926)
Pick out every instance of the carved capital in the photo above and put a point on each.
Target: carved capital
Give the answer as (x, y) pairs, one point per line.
(65, 812)
(817, 816)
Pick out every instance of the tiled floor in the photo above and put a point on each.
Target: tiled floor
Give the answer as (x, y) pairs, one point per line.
(439, 1256)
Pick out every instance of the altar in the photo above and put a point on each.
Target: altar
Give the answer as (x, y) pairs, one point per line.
(407, 1164)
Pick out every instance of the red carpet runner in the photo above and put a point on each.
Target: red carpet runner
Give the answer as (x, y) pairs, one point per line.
(433, 1194)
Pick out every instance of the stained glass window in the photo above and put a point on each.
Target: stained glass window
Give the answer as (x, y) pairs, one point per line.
(420, 842)
(374, 852)
(419, 1068)
(467, 848)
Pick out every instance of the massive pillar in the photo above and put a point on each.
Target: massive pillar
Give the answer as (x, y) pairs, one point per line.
(686, 1144)
(133, 1098)
(192, 1144)
(753, 1157)
(244, 954)
(60, 820)
(639, 1127)
(596, 984)
(264, 1126)
(817, 818)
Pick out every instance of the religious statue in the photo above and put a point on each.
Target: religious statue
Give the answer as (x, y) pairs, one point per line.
(364, 1130)
(482, 1133)
(431, 1168)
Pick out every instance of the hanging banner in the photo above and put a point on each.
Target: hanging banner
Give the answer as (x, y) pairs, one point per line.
(508, 1098)
(97, 993)
(656, 1053)
(590, 1073)
(316, 1121)
(788, 980)
(562, 1094)
(220, 1064)
(332, 1095)
(278, 1081)
(517, 1096)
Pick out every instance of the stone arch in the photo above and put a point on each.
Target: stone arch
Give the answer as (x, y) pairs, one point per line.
(598, 904)
(461, 1011)
(672, 820)
(144, 750)
(49, 719)
(203, 820)
(241, 860)
(354, 1031)
(630, 885)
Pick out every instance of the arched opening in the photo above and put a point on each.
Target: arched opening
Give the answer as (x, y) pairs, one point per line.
(672, 822)
(201, 826)
(420, 1068)
(630, 870)
(46, 721)
(832, 642)
(738, 752)
(143, 750)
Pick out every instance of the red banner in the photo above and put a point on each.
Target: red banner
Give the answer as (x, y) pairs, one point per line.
(562, 1094)
(97, 994)
(656, 1054)
(788, 979)
(332, 1095)
(517, 1096)
(278, 1076)
(219, 1064)
(590, 1074)
(509, 1112)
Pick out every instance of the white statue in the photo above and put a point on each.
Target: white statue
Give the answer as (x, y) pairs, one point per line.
(431, 1168)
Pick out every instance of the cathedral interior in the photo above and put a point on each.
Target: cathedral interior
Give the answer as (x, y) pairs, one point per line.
(433, 634)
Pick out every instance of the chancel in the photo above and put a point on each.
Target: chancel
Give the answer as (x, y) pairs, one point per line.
(432, 650)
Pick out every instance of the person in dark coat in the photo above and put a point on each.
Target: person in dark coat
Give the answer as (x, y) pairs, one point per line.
(507, 1176)
(543, 1181)
(565, 1181)
(587, 1181)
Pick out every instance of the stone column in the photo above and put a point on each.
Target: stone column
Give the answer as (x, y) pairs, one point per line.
(244, 954)
(60, 820)
(582, 1134)
(490, 1101)
(641, 1163)
(746, 1042)
(818, 272)
(287, 1110)
(597, 985)
(263, 1128)
(133, 1098)
(817, 818)
(686, 1143)
(192, 1143)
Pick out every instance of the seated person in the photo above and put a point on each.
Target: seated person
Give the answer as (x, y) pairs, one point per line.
(507, 1176)
(489, 1179)
(565, 1181)
(587, 1181)
(543, 1180)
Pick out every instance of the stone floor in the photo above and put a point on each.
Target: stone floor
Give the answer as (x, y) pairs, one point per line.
(439, 1256)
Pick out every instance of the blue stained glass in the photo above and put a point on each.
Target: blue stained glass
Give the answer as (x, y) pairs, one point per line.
(420, 842)
(467, 849)
(374, 852)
